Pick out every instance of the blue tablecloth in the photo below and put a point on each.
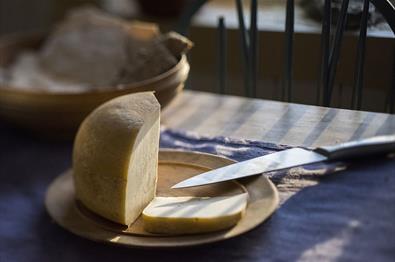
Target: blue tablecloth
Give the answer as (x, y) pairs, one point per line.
(345, 216)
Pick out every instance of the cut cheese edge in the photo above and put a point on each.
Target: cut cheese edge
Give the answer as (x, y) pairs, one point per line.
(115, 157)
(189, 215)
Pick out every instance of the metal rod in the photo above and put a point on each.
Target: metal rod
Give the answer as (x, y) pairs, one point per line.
(359, 75)
(244, 32)
(245, 45)
(391, 97)
(334, 57)
(289, 37)
(253, 47)
(325, 47)
(222, 50)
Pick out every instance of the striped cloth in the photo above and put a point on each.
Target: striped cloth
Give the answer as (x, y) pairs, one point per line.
(323, 215)
(244, 149)
(343, 216)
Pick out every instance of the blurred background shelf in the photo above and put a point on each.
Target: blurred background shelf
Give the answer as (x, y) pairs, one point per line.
(271, 20)
(21, 15)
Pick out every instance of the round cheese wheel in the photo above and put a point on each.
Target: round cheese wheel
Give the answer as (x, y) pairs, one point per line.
(115, 157)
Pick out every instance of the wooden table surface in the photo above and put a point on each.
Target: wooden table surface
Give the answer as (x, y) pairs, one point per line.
(286, 123)
(346, 216)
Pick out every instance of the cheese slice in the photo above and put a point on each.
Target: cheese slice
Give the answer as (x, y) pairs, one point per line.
(115, 157)
(188, 215)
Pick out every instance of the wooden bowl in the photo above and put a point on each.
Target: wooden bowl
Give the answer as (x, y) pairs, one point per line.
(60, 114)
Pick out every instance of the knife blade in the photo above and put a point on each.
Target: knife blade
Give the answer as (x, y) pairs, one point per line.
(293, 157)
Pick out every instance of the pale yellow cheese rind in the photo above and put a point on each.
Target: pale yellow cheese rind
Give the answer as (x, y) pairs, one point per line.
(115, 157)
(190, 215)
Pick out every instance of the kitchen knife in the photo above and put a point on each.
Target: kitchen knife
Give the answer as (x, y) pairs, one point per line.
(292, 158)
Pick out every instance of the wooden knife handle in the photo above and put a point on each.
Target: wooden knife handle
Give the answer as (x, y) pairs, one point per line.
(359, 148)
